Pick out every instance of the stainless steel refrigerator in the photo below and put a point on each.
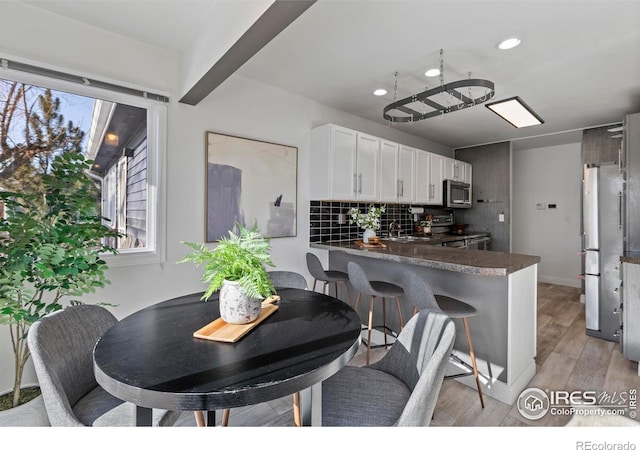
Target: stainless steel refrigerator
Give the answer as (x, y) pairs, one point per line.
(603, 242)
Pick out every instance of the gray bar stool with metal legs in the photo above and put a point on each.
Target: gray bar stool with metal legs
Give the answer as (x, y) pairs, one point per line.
(421, 296)
(374, 289)
(327, 276)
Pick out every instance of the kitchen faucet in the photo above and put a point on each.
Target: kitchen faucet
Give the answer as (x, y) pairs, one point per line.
(394, 229)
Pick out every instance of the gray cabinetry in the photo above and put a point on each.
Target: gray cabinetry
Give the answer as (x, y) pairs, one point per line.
(630, 319)
(630, 333)
(632, 188)
(598, 146)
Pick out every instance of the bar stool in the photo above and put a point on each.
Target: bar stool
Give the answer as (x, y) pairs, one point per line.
(327, 276)
(374, 289)
(421, 296)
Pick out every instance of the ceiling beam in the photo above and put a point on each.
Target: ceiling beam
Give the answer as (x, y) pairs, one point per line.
(275, 19)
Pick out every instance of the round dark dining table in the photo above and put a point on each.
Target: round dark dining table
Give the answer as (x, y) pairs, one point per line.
(152, 359)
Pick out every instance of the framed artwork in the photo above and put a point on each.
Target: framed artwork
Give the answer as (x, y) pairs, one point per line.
(250, 181)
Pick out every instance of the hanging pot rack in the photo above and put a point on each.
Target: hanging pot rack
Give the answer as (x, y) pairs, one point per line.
(458, 95)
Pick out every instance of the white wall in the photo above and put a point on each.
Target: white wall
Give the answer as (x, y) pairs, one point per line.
(238, 107)
(542, 176)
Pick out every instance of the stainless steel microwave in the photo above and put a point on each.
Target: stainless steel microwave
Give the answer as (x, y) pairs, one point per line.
(457, 194)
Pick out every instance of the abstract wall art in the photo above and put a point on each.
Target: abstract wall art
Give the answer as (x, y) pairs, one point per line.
(250, 181)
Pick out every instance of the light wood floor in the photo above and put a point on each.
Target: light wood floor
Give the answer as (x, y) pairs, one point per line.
(567, 359)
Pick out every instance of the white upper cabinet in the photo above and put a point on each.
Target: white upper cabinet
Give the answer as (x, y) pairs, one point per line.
(457, 170)
(344, 164)
(437, 179)
(407, 174)
(397, 172)
(429, 178)
(389, 183)
(468, 173)
(349, 165)
(367, 167)
(333, 163)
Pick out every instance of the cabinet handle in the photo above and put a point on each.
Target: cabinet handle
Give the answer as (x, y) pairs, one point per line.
(401, 188)
(431, 190)
(620, 211)
(355, 184)
(360, 184)
(620, 157)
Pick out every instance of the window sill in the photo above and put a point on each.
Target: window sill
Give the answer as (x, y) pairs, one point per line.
(133, 258)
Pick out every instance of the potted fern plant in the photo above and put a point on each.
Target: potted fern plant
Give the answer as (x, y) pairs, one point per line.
(236, 268)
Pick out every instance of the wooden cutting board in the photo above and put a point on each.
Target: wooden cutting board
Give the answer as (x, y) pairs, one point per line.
(363, 245)
(219, 330)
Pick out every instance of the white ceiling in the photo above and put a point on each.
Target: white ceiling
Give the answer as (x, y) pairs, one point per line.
(578, 65)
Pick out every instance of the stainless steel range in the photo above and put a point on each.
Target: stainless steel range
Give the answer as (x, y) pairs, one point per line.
(443, 224)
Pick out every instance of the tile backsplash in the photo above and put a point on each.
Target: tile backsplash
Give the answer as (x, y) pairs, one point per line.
(326, 223)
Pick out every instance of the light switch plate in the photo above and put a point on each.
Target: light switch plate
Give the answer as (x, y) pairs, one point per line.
(500, 217)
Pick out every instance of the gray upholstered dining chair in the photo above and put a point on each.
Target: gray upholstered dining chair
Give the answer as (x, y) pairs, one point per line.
(287, 279)
(402, 388)
(61, 345)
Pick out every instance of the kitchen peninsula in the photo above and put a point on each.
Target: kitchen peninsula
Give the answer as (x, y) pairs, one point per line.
(501, 286)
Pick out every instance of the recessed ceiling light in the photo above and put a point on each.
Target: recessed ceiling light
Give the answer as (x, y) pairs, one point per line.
(509, 43)
(380, 92)
(432, 72)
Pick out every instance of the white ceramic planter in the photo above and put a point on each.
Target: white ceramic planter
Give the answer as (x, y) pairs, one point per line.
(235, 306)
(30, 414)
(368, 233)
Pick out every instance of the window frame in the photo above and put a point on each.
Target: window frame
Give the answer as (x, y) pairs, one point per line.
(155, 252)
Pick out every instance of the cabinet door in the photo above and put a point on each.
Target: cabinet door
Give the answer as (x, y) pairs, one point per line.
(631, 311)
(468, 171)
(389, 183)
(367, 161)
(342, 169)
(453, 169)
(436, 178)
(406, 174)
(423, 176)
(449, 168)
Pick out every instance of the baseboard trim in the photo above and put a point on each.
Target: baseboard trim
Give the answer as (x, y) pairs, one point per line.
(560, 281)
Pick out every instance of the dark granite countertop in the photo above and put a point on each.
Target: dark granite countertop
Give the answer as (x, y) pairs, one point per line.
(630, 257)
(477, 262)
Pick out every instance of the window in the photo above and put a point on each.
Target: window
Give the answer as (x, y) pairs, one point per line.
(124, 134)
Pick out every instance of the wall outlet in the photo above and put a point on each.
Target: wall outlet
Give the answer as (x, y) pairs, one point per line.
(500, 217)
